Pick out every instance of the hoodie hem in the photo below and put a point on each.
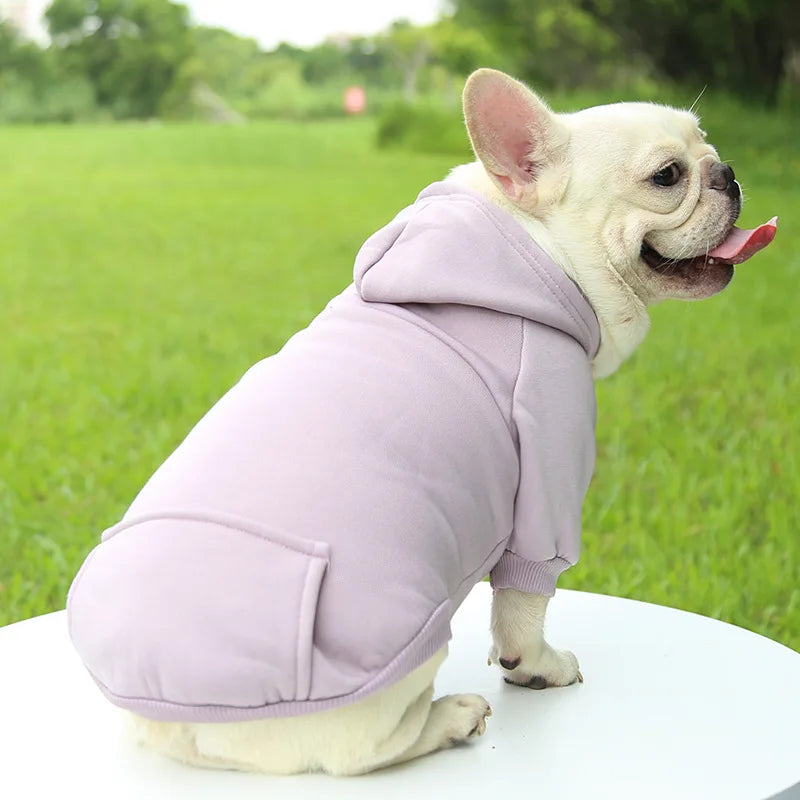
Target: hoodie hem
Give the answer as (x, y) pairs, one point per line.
(426, 643)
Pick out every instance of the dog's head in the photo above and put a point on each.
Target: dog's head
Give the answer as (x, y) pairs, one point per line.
(629, 198)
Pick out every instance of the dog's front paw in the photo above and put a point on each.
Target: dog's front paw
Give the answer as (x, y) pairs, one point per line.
(539, 668)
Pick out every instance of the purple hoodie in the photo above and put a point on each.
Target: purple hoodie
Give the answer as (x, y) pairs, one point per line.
(309, 541)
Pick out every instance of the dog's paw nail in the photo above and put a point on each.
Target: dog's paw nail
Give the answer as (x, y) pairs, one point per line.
(507, 663)
(580, 678)
(489, 661)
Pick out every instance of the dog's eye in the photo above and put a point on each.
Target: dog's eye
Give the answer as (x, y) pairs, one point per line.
(668, 176)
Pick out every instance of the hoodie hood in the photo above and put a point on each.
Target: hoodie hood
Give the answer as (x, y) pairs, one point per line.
(454, 246)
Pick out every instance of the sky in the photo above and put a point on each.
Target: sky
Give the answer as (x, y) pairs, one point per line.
(300, 22)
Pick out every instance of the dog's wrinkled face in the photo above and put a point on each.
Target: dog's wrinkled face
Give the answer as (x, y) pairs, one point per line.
(629, 199)
(657, 194)
(631, 188)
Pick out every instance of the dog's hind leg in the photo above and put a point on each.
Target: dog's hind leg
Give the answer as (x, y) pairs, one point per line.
(425, 726)
(394, 725)
(452, 720)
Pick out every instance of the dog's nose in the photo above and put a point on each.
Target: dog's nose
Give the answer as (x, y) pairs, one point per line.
(724, 179)
(721, 176)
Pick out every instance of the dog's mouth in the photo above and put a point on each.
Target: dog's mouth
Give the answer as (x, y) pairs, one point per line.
(679, 267)
(738, 246)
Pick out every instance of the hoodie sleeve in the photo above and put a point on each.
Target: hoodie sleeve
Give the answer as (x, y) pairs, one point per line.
(554, 411)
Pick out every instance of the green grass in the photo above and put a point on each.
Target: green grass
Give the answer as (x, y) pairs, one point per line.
(144, 268)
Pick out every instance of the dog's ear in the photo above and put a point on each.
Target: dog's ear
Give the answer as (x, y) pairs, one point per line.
(516, 137)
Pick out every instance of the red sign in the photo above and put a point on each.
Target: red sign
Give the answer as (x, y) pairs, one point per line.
(355, 99)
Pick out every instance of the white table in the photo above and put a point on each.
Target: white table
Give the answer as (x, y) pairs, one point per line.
(674, 705)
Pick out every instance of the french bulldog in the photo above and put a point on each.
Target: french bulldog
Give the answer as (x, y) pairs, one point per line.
(433, 425)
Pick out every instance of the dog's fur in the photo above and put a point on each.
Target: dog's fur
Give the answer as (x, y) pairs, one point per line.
(582, 185)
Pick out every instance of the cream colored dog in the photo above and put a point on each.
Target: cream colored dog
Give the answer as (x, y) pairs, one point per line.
(629, 200)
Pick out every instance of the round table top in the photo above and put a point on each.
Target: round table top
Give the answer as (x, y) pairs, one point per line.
(674, 705)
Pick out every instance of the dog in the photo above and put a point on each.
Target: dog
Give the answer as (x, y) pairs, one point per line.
(278, 596)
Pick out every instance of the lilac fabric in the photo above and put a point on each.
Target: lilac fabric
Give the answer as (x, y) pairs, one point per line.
(309, 541)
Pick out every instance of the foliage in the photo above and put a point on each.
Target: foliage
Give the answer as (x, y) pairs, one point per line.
(553, 43)
(423, 128)
(130, 50)
(446, 44)
(460, 50)
(288, 95)
(260, 84)
(410, 50)
(65, 99)
(146, 267)
(140, 58)
(234, 66)
(34, 89)
(298, 83)
(742, 46)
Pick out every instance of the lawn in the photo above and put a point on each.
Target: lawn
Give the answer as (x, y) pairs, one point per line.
(144, 268)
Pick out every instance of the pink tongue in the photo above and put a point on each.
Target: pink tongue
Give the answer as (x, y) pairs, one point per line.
(742, 244)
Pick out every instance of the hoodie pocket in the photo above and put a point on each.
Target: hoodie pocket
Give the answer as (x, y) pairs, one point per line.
(198, 609)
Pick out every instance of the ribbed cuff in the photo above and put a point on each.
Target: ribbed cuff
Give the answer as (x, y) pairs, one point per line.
(535, 577)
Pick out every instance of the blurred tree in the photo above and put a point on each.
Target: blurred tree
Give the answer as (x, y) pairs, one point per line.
(370, 62)
(21, 57)
(225, 61)
(454, 47)
(130, 50)
(460, 49)
(324, 62)
(228, 75)
(33, 87)
(741, 45)
(552, 42)
(744, 46)
(410, 49)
